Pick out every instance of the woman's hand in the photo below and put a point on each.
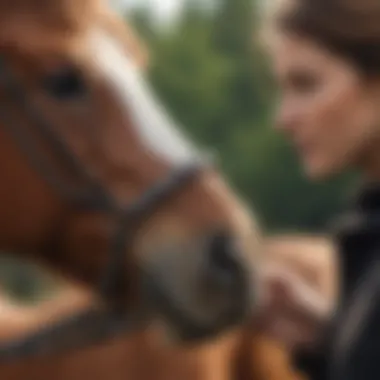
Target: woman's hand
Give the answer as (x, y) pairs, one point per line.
(299, 289)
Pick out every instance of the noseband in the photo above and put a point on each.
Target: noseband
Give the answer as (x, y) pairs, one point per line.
(92, 325)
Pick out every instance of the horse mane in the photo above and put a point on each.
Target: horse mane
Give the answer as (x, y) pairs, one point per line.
(58, 13)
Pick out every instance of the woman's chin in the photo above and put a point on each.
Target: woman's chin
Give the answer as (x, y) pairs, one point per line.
(319, 171)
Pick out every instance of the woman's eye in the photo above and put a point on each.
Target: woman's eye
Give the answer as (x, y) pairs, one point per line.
(65, 83)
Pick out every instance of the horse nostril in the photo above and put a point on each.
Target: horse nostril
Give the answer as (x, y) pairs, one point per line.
(222, 259)
(222, 251)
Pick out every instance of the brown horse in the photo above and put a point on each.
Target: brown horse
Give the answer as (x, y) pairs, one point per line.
(96, 178)
(243, 355)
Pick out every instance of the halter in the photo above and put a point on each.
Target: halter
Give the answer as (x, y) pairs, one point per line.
(92, 325)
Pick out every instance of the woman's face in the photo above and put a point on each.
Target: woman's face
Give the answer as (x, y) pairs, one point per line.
(328, 111)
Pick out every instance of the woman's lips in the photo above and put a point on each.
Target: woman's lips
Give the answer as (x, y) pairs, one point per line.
(304, 148)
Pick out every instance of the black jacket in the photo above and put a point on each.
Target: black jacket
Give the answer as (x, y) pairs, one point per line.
(351, 348)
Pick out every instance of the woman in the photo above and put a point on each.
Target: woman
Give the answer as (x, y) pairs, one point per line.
(326, 60)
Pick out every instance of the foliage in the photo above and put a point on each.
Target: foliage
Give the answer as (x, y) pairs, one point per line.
(211, 73)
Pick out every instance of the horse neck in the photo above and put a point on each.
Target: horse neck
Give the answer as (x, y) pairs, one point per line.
(260, 357)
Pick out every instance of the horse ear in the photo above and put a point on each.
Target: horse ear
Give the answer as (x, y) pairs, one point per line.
(125, 33)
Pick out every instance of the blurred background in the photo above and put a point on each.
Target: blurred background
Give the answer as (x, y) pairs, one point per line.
(212, 75)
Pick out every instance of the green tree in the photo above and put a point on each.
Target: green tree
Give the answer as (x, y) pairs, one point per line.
(214, 78)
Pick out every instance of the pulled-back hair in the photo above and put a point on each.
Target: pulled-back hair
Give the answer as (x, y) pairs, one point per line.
(350, 28)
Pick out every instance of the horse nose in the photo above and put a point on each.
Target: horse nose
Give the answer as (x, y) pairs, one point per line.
(224, 262)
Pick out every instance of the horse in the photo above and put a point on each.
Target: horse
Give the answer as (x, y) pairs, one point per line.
(99, 183)
(246, 354)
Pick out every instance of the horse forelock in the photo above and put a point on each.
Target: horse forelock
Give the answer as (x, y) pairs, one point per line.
(55, 27)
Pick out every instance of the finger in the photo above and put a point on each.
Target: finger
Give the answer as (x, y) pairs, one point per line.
(289, 289)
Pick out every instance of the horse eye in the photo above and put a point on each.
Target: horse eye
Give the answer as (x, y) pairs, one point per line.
(65, 84)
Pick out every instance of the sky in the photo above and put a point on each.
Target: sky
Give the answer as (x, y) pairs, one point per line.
(162, 9)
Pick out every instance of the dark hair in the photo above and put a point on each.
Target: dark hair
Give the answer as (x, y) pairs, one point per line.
(350, 28)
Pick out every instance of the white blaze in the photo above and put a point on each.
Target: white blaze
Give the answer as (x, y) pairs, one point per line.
(153, 125)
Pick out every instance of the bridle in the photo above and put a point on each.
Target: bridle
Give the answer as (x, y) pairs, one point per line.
(91, 325)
